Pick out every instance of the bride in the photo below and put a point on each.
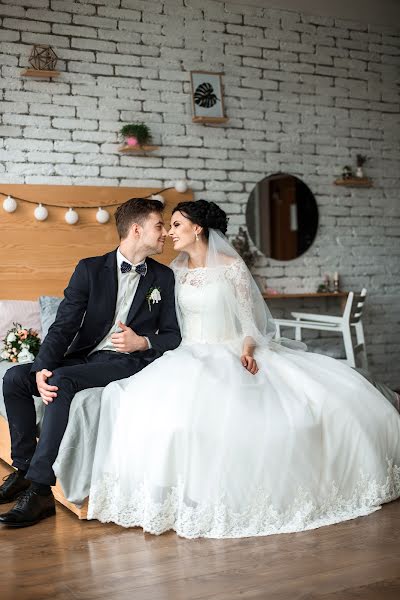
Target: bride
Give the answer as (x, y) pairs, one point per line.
(235, 434)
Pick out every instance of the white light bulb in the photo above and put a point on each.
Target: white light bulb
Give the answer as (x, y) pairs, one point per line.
(71, 216)
(157, 197)
(41, 213)
(181, 185)
(9, 204)
(102, 215)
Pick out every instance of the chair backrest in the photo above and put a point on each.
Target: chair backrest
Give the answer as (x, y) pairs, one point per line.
(354, 306)
(347, 308)
(358, 306)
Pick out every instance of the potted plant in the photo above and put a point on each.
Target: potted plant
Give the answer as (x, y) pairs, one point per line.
(241, 244)
(347, 172)
(135, 134)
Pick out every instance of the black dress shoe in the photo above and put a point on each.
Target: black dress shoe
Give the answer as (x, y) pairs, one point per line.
(29, 509)
(14, 484)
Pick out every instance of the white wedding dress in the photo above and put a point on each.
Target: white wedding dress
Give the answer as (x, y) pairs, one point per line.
(197, 444)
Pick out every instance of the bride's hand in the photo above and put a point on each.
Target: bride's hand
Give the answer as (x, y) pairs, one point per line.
(249, 363)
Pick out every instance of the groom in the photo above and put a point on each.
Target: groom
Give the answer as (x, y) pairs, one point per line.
(117, 316)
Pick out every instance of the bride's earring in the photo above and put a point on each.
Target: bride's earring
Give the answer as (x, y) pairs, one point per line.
(197, 237)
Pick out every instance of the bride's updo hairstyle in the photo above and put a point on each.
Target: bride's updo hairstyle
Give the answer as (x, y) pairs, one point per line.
(206, 214)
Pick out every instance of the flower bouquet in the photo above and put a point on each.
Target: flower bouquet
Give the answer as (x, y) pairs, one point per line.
(21, 345)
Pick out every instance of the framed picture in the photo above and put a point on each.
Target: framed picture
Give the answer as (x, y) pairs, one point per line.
(207, 98)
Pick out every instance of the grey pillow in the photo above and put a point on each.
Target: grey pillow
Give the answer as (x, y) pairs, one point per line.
(48, 310)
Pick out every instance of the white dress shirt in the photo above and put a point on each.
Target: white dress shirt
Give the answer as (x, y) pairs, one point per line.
(127, 286)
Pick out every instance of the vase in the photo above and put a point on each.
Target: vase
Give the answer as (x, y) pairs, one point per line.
(359, 172)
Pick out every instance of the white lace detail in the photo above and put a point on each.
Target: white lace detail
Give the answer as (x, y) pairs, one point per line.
(201, 276)
(200, 290)
(218, 520)
(238, 277)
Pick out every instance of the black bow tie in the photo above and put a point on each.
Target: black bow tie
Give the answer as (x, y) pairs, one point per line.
(140, 269)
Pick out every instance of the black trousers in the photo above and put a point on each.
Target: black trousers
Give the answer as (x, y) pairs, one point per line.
(75, 374)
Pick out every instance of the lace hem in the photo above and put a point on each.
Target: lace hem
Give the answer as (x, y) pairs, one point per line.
(218, 520)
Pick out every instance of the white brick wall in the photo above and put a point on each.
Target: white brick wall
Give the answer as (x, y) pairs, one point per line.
(304, 95)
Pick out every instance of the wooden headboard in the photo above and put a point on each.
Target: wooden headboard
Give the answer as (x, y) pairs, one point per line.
(38, 257)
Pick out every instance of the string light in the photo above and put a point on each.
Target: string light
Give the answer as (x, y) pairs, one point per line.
(102, 216)
(71, 216)
(41, 213)
(9, 204)
(181, 186)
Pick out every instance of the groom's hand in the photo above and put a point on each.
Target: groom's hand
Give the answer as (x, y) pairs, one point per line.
(127, 340)
(46, 391)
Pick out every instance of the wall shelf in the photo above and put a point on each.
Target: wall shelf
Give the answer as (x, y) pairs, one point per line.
(39, 73)
(136, 149)
(342, 296)
(355, 182)
(213, 120)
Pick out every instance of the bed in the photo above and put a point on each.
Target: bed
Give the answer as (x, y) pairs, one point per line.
(36, 260)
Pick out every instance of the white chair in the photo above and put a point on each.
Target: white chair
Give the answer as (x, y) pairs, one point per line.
(351, 318)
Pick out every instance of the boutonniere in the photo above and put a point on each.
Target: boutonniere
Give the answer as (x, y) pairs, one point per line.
(153, 296)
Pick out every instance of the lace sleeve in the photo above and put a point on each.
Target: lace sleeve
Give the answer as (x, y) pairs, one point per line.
(239, 278)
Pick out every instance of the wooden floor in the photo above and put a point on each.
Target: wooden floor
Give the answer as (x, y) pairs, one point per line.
(63, 558)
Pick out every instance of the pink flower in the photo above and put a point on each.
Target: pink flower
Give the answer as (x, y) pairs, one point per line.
(24, 334)
(131, 141)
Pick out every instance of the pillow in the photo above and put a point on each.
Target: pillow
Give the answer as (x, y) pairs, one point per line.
(48, 310)
(25, 312)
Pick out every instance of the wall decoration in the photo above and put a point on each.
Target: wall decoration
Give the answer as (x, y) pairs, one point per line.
(241, 243)
(9, 204)
(356, 179)
(136, 137)
(41, 213)
(71, 217)
(102, 215)
(38, 257)
(43, 57)
(360, 160)
(347, 172)
(207, 97)
(43, 61)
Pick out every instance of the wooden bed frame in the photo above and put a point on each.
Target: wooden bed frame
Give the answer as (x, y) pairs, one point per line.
(37, 257)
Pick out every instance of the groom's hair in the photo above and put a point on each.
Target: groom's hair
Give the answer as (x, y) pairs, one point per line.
(135, 210)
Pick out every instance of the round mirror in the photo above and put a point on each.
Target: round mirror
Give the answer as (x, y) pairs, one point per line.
(282, 216)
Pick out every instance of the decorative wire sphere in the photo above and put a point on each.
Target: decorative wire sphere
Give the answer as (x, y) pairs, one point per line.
(43, 57)
(41, 213)
(157, 197)
(71, 216)
(9, 204)
(181, 185)
(102, 216)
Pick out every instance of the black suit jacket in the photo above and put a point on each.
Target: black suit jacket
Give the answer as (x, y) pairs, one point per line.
(87, 312)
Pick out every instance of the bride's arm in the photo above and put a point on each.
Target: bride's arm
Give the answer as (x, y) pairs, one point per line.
(242, 290)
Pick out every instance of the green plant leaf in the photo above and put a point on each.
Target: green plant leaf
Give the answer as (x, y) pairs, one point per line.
(138, 130)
